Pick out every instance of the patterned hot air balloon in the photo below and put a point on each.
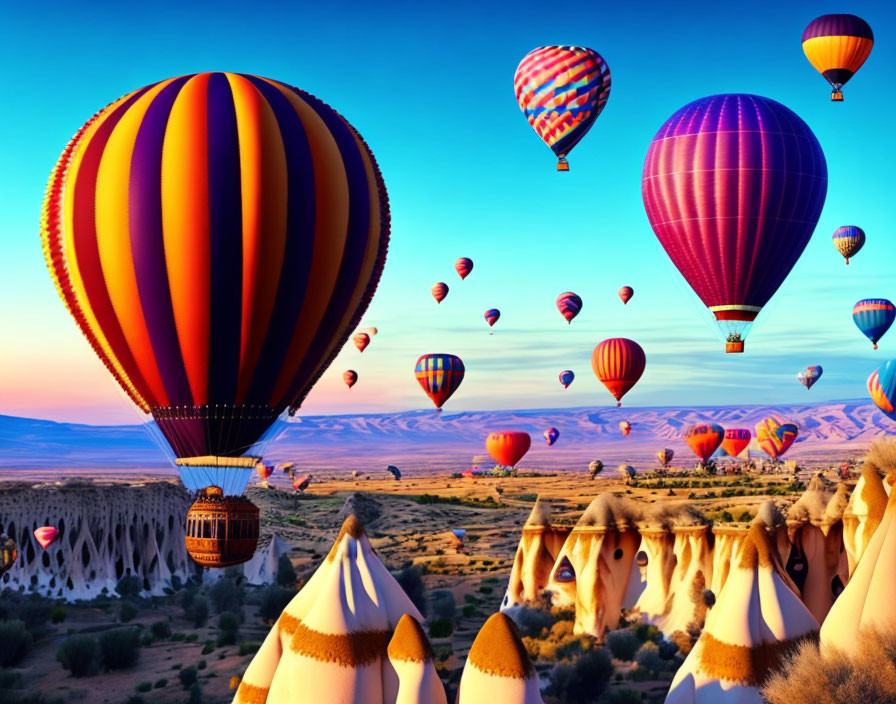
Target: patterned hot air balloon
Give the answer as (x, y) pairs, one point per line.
(848, 240)
(626, 293)
(463, 267)
(350, 377)
(764, 173)
(264, 471)
(491, 316)
(439, 291)
(45, 535)
(625, 427)
(618, 363)
(569, 305)
(507, 447)
(361, 340)
(302, 482)
(736, 441)
(551, 435)
(665, 456)
(566, 377)
(595, 467)
(810, 375)
(561, 91)
(837, 46)
(704, 439)
(457, 538)
(9, 553)
(439, 375)
(874, 316)
(882, 387)
(775, 435)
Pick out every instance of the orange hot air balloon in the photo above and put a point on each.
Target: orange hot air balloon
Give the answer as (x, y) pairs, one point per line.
(626, 293)
(264, 471)
(507, 447)
(350, 377)
(736, 441)
(704, 439)
(625, 427)
(618, 363)
(45, 535)
(361, 340)
(439, 291)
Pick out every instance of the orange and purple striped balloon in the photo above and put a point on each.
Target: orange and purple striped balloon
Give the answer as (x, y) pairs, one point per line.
(837, 46)
(618, 363)
(216, 237)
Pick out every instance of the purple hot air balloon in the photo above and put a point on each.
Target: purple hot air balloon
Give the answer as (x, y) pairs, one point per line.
(491, 316)
(733, 186)
(566, 378)
(810, 375)
(569, 305)
(551, 435)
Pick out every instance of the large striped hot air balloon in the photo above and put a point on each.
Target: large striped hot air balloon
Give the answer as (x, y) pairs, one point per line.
(569, 305)
(736, 440)
(775, 436)
(810, 375)
(216, 237)
(463, 267)
(551, 435)
(874, 316)
(848, 240)
(618, 363)
(507, 447)
(566, 377)
(882, 387)
(439, 375)
(837, 46)
(439, 291)
(704, 439)
(763, 172)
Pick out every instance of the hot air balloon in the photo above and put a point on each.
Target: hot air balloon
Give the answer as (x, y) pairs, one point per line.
(264, 471)
(288, 468)
(848, 240)
(775, 435)
(569, 305)
(810, 375)
(361, 340)
(882, 387)
(626, 293)
(45, 535)
(625, 427)
(704, 439)
(507, 447)
(9, 553)
(458, 535)
(566, 378)
(551, 435)
(618, 364)
(665, 456)
(837, 46)
(491, 316)
(439, 291)
(439, 375)
(216, 237)
(463, 267)
(371, 331)
(595, 467)
(350, 377)
(874, 316)
(394, 471)
(736, 441)
(627, 472)
(561, 91)
(302, 482)
(764, 174)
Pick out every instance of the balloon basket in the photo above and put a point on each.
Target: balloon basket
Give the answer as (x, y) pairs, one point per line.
(734, 347)
(837, 96)
(562, 164)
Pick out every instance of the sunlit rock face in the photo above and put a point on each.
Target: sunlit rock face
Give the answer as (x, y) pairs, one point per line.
(863, 514)
(106, 532)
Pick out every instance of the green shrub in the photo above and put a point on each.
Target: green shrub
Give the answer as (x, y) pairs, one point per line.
(623, 644)
(623, 696)
(208, 647)
(160, 683)
(80, 655)
(201, 665)
(286, 573)
(411, 580)
(649, 659)
(531, 622)
(468, 610)
(15, 641)
(129, 587)
(178, 637)
(228, 625)
(485, 589)
(583, 680)
(195, 694)
(144, 686)
(226, 595)
(161, 630)
(10, 680)
(58, 614)
(197, 611)
(187, 676)
(249, 647)
(442, 607)
(191, 638)
(273, 601)
(647, 632)
(120, 648)
(126, 612)
(441, 628)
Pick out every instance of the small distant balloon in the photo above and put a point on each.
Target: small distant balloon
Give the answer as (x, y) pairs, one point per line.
(302, 482)
(371, 331)
(394, 471)
(569, 305)
(491, 316)
(625, 427)
(626, 471)
(463, 267)
(665, 456)
(361, 340)
(618, 363)
(595, 467)
(626, 293)
(350, 377)
(566, 378)
(9, 553)
(439, 291)
(551, 435)
(45, 535)
(874, 316)
(264, 470)
(848, 240)
(810, 375)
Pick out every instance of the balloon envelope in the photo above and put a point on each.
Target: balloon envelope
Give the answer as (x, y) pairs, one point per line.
(837, 46)
(551, 435)
(302, 482)
(874, 316)
(566, 378)
(45, 535)
(775, 436)
(350, 377)
(569, 305)
(704, 439)
(9, 553)
(810, 375)
(491, 316)
(394, 471)
(882, 387)
(736, 441)
(463, 267)
(371, 331)
(618, 363)
(507, 447)
(848, 240)
(439, 291)
(665, 456)
(626, 293)
(264, 470)
(595, 467)
(440, 375)
(361, 340)
(625, 427)
(764, 174)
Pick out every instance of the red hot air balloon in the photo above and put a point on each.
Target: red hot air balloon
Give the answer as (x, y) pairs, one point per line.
(551, 435)
(439, 291)
(439, 375)
(626, 293)
(569, 305)
(463, 267)
(733, 186)
(491, 316)
(45, 535)
(618, 363)
(704, 439)
(736, 441)
(361, 340)
(350, 377)
(625, 427)
(507, 447)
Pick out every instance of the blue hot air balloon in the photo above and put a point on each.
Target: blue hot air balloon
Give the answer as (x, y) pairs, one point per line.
(810, 375)
(874, 316)
(566, 378)
(882, 387)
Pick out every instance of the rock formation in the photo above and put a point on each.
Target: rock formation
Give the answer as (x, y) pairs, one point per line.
(863, 514)
(262, 568)
(411, 656)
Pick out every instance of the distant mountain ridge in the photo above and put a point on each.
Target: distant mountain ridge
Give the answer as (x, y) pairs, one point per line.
(426, 440)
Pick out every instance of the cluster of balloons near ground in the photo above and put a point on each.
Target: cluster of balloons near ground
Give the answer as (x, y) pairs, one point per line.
(773, 435)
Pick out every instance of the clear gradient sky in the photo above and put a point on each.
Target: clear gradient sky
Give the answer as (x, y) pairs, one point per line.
(430, 88)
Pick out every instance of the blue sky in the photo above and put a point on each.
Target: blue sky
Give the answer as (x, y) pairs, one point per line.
(430, 88)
